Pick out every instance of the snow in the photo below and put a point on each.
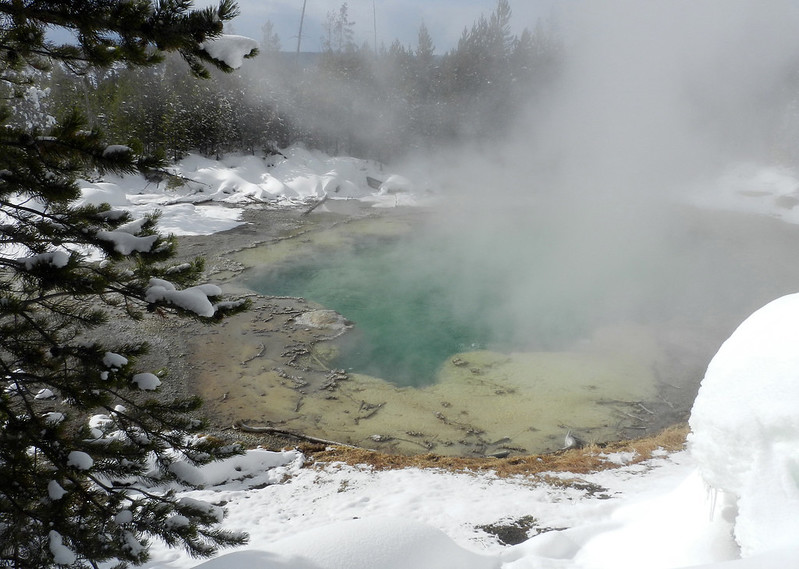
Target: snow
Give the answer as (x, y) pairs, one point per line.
(114, 361)
(55, 491)
(58, 259)
(204, 507)
(79, 460)
(344, 516)
(394, 184)
(746, 427)
(54, 418)
(216, 192)
(759, 189)
(392, 543)
(125, 243)
(45, 394)
(113, 150)
(123, 517)
(257, 467)
(62, 555)
(177, 521)
(194, 299)
(146, 381)
(230, 49)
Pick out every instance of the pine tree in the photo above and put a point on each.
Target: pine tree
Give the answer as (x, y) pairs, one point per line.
(270, 43)
(339, 32)
(84, 435)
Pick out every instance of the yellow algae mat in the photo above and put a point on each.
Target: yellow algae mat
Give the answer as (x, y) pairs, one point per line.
(483, 402)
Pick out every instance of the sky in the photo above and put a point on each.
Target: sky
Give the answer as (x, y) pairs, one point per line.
(395, 19)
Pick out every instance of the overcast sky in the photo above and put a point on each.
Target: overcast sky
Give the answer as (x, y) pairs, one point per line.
(396, 19)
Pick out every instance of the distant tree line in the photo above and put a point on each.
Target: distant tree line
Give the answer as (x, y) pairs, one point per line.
(349, 99)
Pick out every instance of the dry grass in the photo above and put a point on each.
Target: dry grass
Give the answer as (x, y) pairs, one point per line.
(579, 461)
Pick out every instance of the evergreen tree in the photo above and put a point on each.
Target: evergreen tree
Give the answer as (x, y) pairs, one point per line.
(424, 47)
(339, 32)
(270, 43)
(83, 432)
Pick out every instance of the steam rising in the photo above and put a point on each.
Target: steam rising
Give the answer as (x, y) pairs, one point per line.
(579, 217)
(654, 91)
(585, 201)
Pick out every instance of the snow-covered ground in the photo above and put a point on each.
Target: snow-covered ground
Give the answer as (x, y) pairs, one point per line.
(215, 192)
(730, 501)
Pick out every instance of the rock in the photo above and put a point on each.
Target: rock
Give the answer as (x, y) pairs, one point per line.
(323, 319)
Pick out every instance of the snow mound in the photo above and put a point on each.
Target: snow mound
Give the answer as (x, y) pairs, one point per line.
(387, 543)
(395, 184)
(745, 427)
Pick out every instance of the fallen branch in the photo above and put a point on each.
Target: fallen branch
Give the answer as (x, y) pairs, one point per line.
(641, 405)
(316, 205)
(370, 408)
(261, 350)
(242, 426)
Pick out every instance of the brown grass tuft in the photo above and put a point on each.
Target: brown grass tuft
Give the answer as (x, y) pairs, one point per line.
(579, 461)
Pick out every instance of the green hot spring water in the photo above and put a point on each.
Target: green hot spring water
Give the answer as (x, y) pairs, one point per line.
(416, 302)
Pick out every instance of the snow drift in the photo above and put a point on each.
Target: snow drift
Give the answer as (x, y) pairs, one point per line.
(745, 427)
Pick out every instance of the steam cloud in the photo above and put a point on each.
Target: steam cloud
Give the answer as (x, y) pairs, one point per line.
(584, 200)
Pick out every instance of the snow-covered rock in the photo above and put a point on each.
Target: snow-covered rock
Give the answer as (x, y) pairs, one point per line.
(146, 381)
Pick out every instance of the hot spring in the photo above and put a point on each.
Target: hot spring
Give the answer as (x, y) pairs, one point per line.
(468, 331)
(414, 306)
(420, 297)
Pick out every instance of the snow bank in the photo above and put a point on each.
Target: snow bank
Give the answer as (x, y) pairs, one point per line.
(745, 424)
(125, 243)
(395, 184)
(216, 191)
(387, 543)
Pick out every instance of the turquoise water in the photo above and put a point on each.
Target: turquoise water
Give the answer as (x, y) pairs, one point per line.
(417, 301)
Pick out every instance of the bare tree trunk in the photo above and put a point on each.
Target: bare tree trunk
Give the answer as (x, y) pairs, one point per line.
(299, 35)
